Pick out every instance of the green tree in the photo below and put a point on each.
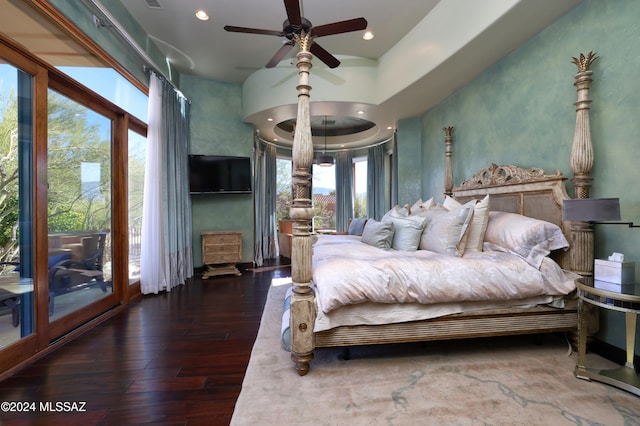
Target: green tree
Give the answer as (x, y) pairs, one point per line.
(74, 140)
(135, 179)
(360, 208)
(8, 177)
(284, 188)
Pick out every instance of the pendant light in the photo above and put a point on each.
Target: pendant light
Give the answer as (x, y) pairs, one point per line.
(325, 160)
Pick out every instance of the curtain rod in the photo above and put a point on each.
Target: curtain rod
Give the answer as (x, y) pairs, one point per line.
(97, 7)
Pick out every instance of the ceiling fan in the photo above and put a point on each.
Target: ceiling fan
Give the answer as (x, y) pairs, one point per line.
(295, 24)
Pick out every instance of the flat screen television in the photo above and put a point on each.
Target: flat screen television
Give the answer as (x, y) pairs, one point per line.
(217, 174)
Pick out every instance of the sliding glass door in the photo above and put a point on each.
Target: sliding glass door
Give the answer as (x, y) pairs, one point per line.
(67, 151)
(16, 230)
(79, 206)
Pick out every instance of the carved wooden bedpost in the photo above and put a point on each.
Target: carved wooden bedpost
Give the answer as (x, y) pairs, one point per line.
(448, 167)
(581, 164)
(302, 300)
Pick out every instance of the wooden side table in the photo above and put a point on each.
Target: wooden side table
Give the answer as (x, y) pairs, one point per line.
(627, 301)
(221, 250)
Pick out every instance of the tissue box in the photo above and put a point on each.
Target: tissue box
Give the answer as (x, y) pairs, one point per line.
(614, 272)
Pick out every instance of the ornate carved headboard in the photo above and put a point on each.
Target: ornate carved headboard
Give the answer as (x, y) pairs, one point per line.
(529, 192)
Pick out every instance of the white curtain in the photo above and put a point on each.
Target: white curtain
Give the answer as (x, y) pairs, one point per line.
(166, 256)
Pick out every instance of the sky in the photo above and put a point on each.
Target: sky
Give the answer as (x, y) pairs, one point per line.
(108, 83)
(105, 81)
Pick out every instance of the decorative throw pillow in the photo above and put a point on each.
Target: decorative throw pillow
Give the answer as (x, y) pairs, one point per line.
(378, 234)
(397, 211)
(446, 231)
(406, 231)
(420, 207)
(357, 226)
(533, 239)
(478, 227)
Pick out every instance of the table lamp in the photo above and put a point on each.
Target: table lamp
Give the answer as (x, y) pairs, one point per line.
(605, 211)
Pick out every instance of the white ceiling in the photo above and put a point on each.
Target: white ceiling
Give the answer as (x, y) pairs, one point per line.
(205, 49)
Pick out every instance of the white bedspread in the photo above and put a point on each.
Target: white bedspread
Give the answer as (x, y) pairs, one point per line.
(347, 271)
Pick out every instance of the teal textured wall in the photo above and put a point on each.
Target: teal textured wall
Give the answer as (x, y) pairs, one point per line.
(520, 111)
(217, 128)
(409, 161)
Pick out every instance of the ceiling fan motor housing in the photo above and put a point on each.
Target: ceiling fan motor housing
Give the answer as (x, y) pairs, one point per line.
(289, 30)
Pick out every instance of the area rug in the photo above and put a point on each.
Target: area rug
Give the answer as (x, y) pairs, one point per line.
(497, 381)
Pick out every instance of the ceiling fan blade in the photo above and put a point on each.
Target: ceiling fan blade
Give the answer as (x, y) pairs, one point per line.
(340, 27)
(280, 54)
(233, 29)
(293, 11)
(324, 56)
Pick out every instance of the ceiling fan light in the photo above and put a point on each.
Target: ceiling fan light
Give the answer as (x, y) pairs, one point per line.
(368, 35)
(325, 161)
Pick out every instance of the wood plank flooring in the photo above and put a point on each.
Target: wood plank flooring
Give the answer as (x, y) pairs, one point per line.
(175, 358)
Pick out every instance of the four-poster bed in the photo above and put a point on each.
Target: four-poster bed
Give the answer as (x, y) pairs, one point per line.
(512, 189)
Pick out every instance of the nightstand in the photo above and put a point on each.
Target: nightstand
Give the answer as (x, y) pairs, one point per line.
(221, 250)
(626, 300)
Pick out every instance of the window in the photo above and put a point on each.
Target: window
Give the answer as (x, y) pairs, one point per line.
(108, 83)
(323, 192)
(79, 205)
(283, 183)
(360, 186)
(114, 87)
(135, 181)
(324, 197)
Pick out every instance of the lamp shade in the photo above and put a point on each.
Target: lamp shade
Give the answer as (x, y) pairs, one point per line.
(325, 161)
(591, 209)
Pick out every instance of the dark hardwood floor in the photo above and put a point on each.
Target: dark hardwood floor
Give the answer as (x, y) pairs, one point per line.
(175, 358)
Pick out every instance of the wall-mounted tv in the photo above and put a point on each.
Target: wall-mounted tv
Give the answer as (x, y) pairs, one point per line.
(216, 174)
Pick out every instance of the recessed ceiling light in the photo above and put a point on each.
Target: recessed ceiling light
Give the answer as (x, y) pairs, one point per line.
(202, 15)
(368, 35)
(275, 139)
(269, 119)
(361, 112)
(389, 127)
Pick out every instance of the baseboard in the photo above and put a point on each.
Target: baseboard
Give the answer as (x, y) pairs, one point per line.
(612, 353)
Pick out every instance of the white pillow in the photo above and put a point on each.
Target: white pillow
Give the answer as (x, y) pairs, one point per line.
(406, 231)
(446, 230)
(478, 227)
(533, 239)
(397, 211)
(420, 207)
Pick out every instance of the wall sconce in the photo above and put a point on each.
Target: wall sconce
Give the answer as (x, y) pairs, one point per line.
(603, 211)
